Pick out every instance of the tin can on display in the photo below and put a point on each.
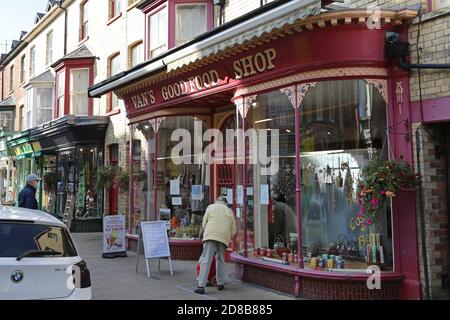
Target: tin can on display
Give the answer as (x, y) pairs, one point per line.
(322, 263)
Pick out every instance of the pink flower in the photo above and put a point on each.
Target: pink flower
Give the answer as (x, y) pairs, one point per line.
(369, 221)
(382, 192)
(360, 215)
(363, 209)
(374, 202)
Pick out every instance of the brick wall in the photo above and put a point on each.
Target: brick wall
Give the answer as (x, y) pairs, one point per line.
(435, 44)
(432, 165)
(18, 92)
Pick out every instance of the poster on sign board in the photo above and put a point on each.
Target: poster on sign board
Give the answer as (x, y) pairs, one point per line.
(155, 239)
(114, 236)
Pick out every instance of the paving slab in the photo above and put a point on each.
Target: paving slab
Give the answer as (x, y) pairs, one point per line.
(116, 279)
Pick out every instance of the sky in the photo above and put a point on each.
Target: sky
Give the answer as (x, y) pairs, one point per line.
(17, 16)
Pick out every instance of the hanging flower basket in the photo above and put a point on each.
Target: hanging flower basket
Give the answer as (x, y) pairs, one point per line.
(380, 181)
(50, 179)
(105, 177)
(123, 181)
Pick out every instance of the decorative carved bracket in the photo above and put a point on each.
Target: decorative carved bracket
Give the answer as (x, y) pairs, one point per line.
(156, 123)
(243, 105)
(381, 85)
(296, 94)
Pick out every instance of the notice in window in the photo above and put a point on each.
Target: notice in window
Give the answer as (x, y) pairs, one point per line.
(264, 194)
(174, 187)
(230, 196)
(240, 195)
(197, 192)
(176, 201)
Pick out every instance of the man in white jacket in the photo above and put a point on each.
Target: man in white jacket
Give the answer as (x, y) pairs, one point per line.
(219, 226)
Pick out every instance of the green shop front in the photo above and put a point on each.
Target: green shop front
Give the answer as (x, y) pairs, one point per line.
(73, 150)
(7, 171)
(25, 154)
(66, 153)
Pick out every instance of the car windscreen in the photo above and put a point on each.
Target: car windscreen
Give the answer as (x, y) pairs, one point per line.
(17, 238)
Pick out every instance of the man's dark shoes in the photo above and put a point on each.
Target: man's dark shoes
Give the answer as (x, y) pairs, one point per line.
(200, 290)
(220, 287)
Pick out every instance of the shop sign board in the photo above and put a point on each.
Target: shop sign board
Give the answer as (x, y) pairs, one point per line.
(153, 244)
(114, 235)
(241, 68)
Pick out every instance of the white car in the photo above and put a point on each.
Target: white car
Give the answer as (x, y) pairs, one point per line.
(38, 259)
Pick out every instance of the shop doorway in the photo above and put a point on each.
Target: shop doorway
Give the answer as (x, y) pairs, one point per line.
(226, 172)
(114, 190)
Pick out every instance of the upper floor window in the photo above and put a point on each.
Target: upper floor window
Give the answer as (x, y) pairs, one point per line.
(60, 93)
(136, 54)
(114, 68)
(11, 78)
(79, 84)
(49, 53)
(190, 21)
(84, 20)
(22, 69)
(114, 64)
(158, 32)
(114, 8)
(7, 121)
(44, 97)
(438, 4)
(22, 123)
(32, 61)
(172, 23)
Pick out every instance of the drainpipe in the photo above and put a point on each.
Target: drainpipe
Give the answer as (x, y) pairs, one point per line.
(445, 277)
(65, 25)
(422, 219)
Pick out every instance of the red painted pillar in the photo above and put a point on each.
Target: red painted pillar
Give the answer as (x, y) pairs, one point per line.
(405, 235)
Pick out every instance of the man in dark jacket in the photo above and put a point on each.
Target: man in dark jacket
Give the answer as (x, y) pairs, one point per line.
(27, 197)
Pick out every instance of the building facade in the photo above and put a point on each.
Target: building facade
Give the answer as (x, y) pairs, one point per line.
(317, 73)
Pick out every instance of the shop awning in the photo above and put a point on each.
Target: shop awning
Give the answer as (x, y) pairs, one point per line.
(21, 146)
(9, 102)
(231, 34)
(69, 131)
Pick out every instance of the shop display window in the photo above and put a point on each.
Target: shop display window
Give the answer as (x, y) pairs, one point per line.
(183, 189)
(271, 196)
(142, 185)
(342, 125)
(76, 170)
(180, 191)
(49, 180)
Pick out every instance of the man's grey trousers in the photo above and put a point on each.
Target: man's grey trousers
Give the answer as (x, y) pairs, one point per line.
(211, 248)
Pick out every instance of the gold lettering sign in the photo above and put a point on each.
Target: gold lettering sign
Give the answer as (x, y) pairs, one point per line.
(144, 99)
(196, 83)
(253, 64)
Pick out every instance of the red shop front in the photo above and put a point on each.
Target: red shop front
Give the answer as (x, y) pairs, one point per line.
(320, 98)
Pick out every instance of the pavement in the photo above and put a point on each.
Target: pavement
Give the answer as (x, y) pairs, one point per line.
(116, 279)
